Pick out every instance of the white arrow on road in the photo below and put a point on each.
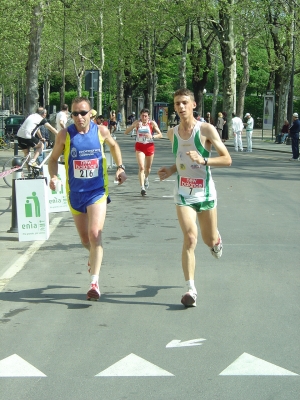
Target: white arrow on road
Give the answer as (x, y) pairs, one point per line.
(179, 343)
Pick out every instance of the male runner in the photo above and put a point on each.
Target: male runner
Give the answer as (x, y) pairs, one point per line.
(87, 180)
(195, 194)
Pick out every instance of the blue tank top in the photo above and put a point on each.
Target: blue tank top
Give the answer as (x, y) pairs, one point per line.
(85, 160)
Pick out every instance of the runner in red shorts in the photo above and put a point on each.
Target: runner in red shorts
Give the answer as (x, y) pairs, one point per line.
(146, 131)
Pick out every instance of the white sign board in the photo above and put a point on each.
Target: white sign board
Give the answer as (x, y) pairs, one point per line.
(32, 209)
(57, 198)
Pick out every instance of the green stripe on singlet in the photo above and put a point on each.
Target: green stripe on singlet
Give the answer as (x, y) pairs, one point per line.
(204, 153)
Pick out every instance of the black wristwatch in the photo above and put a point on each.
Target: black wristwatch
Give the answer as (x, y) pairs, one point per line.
(205, 161)
(121, 166)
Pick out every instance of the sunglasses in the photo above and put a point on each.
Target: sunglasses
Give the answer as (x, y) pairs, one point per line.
(82, 113)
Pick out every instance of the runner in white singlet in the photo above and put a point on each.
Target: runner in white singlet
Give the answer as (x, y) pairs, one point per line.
(195, 193)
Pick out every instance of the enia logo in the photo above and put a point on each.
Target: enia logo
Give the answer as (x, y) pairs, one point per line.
(32, 206)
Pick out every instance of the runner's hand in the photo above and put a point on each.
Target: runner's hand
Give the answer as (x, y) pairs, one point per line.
(164, 173)
(121, 177)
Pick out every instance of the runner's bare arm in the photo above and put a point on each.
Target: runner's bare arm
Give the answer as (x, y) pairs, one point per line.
(51, 129)
(56, 153)
(131, 127)
(166, 172)
(115, 152)
(212, 138)
(157, 130)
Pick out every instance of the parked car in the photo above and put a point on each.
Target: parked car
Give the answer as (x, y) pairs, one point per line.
(13, 123)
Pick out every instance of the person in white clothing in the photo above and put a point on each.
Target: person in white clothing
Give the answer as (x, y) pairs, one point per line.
(249, 131)
(237, 129)
(28, 132)
(62, 117)
(195, 193)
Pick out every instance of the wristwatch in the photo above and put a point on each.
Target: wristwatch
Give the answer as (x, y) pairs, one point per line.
(121, 166)
(205, 161)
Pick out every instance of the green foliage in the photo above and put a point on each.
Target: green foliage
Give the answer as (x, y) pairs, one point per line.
(69, 96)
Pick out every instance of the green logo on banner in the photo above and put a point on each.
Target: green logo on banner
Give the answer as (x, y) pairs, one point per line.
(32, 206)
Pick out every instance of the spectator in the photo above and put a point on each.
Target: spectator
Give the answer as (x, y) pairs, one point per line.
(249, 130)
(62, 118)
(172, 120)
(294, 134)
(281, 137)
(209, 118)
(237, 129)
(225, 128)
(119, 120)
(220, 124)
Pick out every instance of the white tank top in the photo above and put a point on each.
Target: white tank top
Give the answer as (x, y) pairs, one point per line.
(194, 182)
(142, 132)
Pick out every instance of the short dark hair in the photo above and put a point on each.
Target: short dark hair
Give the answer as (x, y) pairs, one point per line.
(184, 92)
(65, 107)
(80, 99)
(144, 110)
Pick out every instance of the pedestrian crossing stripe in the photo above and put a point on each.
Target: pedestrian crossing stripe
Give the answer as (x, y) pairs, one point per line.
(133, 365)
(15, 366)
(247, 364)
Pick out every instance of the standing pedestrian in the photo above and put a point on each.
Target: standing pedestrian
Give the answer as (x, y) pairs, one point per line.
(249, 131)
(87, 180)
(220, 124)
(62, 117)
(119, 120)
(294, 134)
(225, 127)
(194, 194)
(146, 132)
(237, 129)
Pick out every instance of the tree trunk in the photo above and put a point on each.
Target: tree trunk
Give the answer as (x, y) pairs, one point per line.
(32, 67)
(182, 66)
(120, 73)
(227, 42)
(216, 90)
(101, 66)
(244, 81)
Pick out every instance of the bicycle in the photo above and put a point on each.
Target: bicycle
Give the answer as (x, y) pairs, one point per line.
(5, 140)
(27, 171)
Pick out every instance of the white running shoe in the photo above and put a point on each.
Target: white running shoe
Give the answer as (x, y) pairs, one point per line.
(93, 293)
(189, 299)
(217, 250)
(33, 163)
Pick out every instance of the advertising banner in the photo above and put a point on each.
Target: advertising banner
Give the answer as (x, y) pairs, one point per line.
(268, 113)
(32, 209)
(57, 198)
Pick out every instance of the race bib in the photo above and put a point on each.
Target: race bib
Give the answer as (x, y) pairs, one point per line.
(191, 186)
(142, 134)
(86, 169)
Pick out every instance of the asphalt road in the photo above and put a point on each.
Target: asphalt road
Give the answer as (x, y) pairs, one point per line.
(138, 342)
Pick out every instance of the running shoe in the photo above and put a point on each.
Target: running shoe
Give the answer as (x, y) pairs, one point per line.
(33, 163)
(143, 192)
(217, 250)
(189, 299)
(147, 183)
(94, 293)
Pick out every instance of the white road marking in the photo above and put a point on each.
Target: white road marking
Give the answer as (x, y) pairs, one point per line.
(23, 260)
(179, 343)
(168, 196)
(15, 366)
(247, 364)
(133, 365)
